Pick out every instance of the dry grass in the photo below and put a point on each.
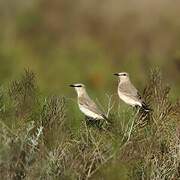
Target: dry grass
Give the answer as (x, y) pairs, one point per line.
(36, 141)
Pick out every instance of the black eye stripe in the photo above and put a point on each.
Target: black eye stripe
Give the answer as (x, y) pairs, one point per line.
(123, 74)
(73, 85)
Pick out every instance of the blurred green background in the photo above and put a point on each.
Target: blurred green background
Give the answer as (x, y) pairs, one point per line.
(68, 41)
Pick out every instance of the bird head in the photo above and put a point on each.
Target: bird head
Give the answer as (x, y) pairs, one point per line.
(80, 88)
(123, 76)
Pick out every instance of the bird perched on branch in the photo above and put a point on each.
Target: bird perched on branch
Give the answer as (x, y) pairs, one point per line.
(128, 93)
(86, 104)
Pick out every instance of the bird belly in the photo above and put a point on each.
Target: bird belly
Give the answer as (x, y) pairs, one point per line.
(129, 100)
(89, 113)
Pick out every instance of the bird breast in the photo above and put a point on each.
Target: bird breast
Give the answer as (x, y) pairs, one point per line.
(129, 100)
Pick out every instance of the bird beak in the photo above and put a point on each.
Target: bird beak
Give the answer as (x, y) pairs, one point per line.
(72, 85)
(116, 74)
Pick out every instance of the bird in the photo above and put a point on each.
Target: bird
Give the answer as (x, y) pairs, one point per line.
(128, 93)
(86, 105)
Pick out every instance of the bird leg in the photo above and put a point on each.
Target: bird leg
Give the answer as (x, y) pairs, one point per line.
(89, 120)
(94, 122)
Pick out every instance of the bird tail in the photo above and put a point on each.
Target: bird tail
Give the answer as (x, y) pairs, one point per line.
(145, 107)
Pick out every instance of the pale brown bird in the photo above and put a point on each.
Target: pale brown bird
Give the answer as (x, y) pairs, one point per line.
(128, 93)
(86, 104)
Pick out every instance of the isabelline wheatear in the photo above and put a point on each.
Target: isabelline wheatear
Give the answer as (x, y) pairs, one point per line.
(128, 93)
(86, 104)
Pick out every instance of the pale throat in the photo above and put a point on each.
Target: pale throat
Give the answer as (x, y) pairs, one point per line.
(123, 80)
(81, 92)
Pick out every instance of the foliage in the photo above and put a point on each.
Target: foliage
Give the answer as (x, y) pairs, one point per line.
(37, 141)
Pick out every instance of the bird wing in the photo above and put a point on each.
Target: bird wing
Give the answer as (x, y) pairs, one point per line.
(129, 90)
(90, 105)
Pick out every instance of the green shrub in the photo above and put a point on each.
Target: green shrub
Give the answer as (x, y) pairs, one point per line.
(37, 141)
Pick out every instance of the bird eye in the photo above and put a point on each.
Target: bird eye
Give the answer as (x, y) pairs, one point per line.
(124, 74)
